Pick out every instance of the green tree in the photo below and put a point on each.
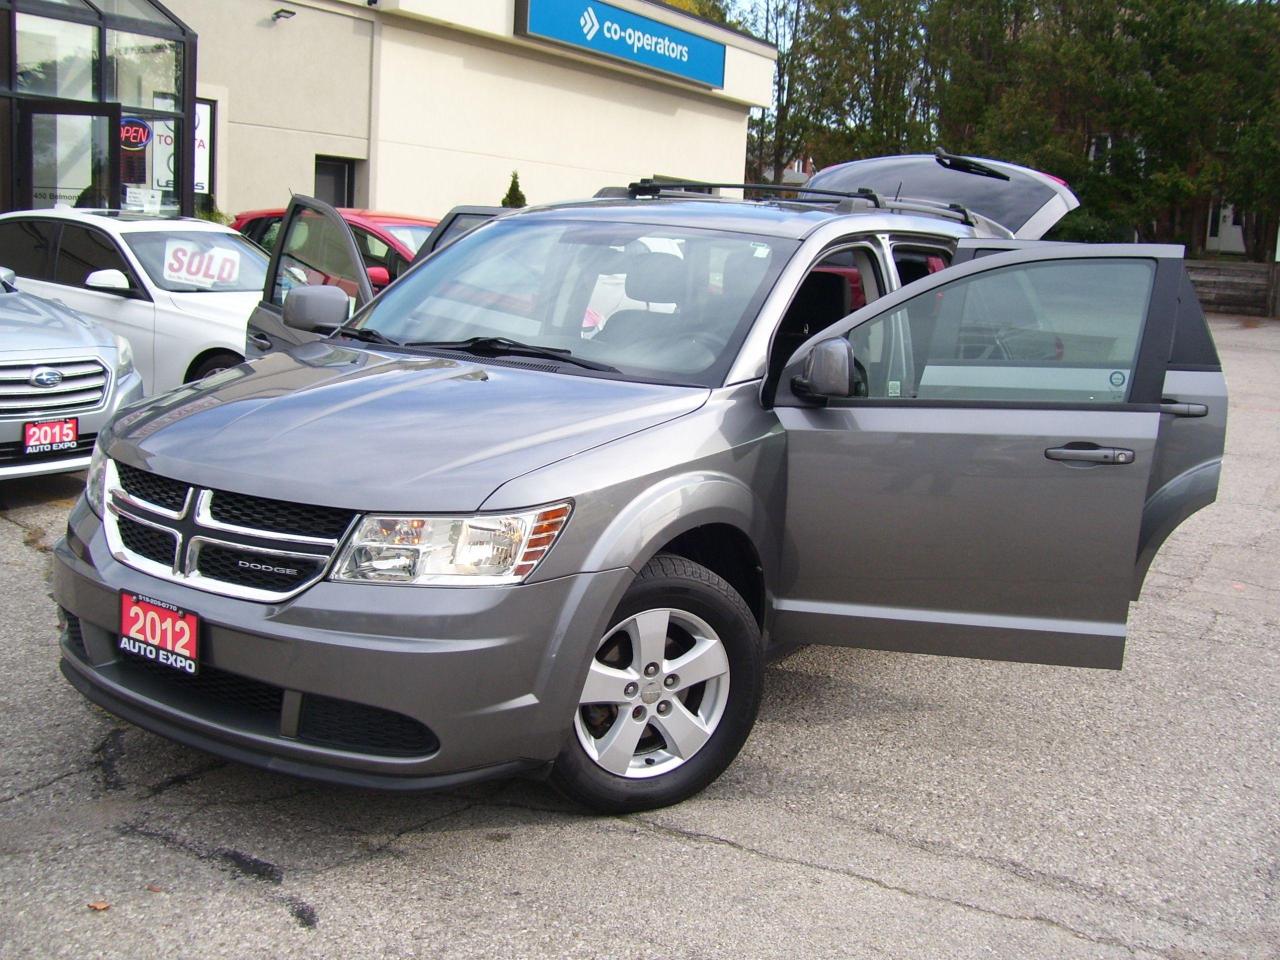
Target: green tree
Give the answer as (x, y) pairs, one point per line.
(515, 196)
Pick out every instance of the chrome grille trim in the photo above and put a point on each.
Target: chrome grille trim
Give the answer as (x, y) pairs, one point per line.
(84, 388)
(196, 529)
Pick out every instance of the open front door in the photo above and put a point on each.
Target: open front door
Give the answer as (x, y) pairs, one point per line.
(983, 494)
(313, 247)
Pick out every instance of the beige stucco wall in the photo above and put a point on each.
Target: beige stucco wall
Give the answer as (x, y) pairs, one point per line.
(443, 101)
(286, 91)
(478, 109)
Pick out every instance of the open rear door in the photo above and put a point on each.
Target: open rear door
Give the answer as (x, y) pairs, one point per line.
(314, 247)
(456, 223)
(1026, 202)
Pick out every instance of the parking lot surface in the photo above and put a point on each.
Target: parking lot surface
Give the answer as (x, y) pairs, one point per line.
(886, 805)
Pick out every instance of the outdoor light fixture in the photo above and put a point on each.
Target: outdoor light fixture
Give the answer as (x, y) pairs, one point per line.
(284, 13)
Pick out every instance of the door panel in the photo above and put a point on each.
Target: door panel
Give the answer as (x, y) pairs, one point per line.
(315, 247)
(1004, 524)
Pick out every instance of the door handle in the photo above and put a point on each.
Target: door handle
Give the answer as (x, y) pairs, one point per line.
(261, 341)
(1091, 453)
(1180, 409)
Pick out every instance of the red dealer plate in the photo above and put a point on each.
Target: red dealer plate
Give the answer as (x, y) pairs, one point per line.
(160, 632)
(50, 436)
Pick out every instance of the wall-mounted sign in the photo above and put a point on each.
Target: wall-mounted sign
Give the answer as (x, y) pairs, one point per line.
(606, 30)
(135, 134)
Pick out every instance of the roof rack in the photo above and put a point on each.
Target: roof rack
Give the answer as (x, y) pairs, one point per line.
(845, 201)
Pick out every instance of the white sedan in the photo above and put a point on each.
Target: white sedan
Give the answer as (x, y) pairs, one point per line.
(179, 290)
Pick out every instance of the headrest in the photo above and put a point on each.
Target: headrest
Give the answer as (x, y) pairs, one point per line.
(656, 278)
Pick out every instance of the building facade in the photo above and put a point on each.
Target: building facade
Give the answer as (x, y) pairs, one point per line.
(419, 105)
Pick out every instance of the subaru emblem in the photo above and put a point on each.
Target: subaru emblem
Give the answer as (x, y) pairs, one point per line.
(45, 377)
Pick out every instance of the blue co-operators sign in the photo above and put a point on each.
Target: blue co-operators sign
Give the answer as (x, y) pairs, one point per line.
(604, 29)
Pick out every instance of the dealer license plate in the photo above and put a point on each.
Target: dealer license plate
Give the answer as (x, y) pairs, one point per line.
(50, 436)
(160, 632)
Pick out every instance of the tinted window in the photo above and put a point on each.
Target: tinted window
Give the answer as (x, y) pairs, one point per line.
(82, 251)
(1061, 331)
(315, 253)
(24, 247)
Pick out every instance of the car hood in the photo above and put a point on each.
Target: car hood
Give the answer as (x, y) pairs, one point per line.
(227, 307)
(31, 325)
(352, 427)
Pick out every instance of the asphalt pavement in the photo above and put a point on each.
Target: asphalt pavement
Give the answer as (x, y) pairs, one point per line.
(886, 805)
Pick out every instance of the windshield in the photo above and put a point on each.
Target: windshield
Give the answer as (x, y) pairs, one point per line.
(658, 303)
(199, 261)
(410, 235)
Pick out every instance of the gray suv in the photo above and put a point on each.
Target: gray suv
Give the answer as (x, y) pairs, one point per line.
(548, 502)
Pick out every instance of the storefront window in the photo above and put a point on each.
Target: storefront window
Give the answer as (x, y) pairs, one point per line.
(69, 160)
(138, 9)
(57, 58)
(144, 71)
(147, 178)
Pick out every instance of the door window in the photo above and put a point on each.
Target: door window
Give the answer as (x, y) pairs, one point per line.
(24, 247)
(1062, 331)
(316, 252)
(82, 251)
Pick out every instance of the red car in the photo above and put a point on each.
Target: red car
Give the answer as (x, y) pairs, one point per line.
(387, 241)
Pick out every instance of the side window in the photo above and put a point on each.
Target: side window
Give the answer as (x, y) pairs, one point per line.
(1057, 331)
(81, 251)
(315, 253)
(24, 247)
(374, 251)
(265, 232)
(915, 263)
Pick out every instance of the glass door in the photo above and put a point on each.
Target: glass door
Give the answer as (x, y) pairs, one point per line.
(68, 153)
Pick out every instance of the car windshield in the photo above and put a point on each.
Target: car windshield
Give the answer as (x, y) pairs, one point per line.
(657, 303)
(410, 235)
(199, 261)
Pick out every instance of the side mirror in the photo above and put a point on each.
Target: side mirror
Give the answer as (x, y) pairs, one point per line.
(379, 277)
(8, 276)
(831, 370)
(109, 281)
(316, 309)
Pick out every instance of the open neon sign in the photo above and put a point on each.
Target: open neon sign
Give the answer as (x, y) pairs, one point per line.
(135, 134)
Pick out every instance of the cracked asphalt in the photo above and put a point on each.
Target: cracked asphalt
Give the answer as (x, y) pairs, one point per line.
(886, 805)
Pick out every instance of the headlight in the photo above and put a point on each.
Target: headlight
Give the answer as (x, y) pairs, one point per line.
(124, 357)
(95, 485)
(467, 551)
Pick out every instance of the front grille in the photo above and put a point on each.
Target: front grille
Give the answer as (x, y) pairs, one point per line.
(279, 516)
(243, 568)
(141, 485)
(156, 545)
(356, 726)
(74, 636)
(255, 548)
(11, 453)
(250, 698)
(257, 705)
(84, 383)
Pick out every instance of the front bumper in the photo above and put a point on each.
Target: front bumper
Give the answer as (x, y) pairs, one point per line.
(403, 687)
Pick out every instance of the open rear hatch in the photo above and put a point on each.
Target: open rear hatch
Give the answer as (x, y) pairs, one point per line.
(1023, 201)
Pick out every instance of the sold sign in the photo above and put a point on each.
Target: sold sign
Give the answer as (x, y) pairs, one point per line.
(185, 262)
(135, 134)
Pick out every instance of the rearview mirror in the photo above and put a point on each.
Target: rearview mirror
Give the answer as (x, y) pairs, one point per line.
(109, 281)
(316, 309)
(831, 370)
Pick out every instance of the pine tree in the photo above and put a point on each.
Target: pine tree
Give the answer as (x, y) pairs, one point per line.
(515, 196)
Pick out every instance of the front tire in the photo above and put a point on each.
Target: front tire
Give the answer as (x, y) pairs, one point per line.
(212, 364)
(671, 694)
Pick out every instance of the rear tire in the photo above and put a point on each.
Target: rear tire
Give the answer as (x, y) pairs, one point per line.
(671, 696)
(212, 364)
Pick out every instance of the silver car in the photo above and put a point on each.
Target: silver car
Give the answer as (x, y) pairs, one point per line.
(62, 379)
(546, 504)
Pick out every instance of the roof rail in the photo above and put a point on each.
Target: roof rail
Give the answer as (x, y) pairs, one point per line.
(845, 201)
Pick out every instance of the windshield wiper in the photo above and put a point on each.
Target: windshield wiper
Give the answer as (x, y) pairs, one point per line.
(498, 346)
(368, 335)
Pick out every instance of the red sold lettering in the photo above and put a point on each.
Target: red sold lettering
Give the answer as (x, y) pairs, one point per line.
(179, 257)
